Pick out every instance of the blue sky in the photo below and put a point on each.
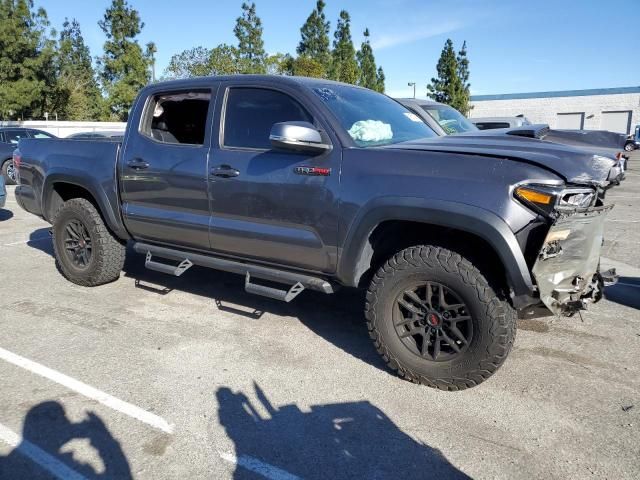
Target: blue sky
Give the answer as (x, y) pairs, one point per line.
(514, 46)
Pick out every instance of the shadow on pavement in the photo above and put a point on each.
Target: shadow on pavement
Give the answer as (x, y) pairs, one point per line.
(5, 215)
(337, 441)
(41, 240)
(47, 429)
(625, 292)
(337, 318)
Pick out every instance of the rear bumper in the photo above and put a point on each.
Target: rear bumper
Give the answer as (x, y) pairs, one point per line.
(26, 198)
(566, 270)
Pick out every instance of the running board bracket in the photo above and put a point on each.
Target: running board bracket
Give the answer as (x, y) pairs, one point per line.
(271, 292)
(175, 270)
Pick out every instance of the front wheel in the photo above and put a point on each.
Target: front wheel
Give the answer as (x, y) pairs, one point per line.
(86, 252)
(9, 172)
(436, 320)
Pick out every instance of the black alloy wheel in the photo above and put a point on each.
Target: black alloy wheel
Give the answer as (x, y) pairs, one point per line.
(77, 244)
(433, 322)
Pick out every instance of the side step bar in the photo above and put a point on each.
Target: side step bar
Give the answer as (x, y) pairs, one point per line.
(176, 270)
(249, 270)
(275, 293)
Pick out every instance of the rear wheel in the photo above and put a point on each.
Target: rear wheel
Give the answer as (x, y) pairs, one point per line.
(86, 252)
(629, 147)
(9, 172)
(436, 320)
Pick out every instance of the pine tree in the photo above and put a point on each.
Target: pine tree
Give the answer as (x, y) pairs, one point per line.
(344, 67)
(79, 94)
(248, 31)
(367, 64)
(463, 74)
(125, 67)
(314, 41)
(26, 60)
(447, 87)
(380, 79)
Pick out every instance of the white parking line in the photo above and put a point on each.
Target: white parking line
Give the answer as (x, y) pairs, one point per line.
(31, 240)
(51, 464)
(259, 467)
(88, 391)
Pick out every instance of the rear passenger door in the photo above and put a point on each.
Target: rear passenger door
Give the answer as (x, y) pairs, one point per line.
(163, 169)
(262, 204)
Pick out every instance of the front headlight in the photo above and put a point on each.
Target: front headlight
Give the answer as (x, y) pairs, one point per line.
(547, 199)
(577, 198)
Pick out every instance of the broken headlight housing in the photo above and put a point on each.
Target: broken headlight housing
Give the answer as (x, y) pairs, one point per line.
(546, 199)
(572, 198)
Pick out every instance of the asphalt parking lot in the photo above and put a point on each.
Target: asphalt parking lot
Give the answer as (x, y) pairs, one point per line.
(157, 377)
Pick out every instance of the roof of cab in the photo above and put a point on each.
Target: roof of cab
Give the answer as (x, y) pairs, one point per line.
(275, 79)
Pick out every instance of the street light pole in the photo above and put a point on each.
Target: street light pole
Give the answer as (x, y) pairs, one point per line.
(413, 84)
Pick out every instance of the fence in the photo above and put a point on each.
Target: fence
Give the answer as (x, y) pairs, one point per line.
(65, 128)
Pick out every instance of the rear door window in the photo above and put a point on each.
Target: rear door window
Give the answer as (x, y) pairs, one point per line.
(177, 117)
(251, 112)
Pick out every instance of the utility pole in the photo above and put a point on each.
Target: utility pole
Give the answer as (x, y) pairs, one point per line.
(413, 84)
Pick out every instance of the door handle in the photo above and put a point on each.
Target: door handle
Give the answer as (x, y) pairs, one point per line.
(137, 164)
(224, 171)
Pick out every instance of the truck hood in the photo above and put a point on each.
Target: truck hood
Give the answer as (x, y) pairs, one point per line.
(599, 142)
(576, 166)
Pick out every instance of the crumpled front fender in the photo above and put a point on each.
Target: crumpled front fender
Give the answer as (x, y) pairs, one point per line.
(566, 270)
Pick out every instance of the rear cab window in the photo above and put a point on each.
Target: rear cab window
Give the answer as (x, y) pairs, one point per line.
(250, 112)
(177, 117)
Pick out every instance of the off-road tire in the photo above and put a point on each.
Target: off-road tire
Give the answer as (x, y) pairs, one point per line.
(108, 253)
(492, 316)
(4, 172)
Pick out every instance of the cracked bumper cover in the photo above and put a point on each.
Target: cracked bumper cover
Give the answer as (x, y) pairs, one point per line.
(566, 270)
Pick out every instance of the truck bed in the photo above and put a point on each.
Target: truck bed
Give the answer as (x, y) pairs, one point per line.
(90, 163)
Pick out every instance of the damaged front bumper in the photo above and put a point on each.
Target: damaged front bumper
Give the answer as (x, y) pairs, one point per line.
(567, 268)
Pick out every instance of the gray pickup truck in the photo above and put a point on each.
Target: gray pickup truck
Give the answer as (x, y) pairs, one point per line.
(298, 183)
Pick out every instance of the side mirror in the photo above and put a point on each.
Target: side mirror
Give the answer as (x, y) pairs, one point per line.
(298, 137)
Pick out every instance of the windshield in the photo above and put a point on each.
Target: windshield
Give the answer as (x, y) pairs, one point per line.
(451, 120)
(370, 118)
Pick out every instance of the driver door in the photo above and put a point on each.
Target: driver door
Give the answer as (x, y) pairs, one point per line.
(263, 206)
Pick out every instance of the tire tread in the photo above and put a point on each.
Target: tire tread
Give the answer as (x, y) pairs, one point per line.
(111, 260)
(502, 328)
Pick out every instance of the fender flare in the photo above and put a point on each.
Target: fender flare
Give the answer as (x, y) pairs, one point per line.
(108, 207)
(474, 220)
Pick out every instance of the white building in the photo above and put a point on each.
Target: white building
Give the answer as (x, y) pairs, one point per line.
(613, 109)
